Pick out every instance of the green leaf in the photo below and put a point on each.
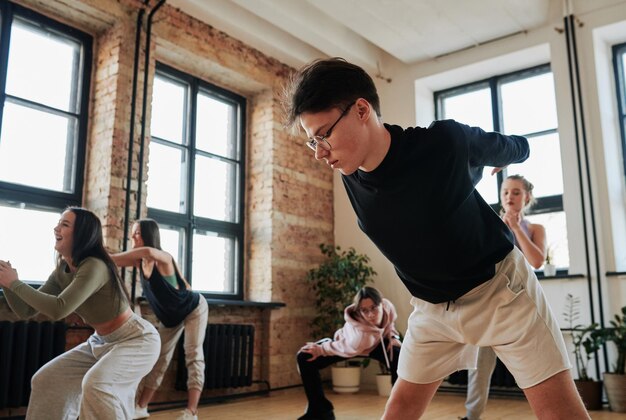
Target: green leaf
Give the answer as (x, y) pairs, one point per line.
(334, 282)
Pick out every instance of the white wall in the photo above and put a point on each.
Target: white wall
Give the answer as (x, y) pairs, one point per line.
(408, 101)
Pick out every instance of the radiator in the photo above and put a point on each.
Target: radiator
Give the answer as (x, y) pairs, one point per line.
(24, 348)
(228, 354)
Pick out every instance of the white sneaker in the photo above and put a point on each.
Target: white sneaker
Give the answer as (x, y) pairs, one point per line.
(141, 412)
(187, 415)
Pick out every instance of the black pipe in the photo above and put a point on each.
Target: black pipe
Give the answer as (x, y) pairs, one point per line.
(574, 78)
(570, 67)
(144, 106)
(131, 142)
(588, 173)
(132, 128)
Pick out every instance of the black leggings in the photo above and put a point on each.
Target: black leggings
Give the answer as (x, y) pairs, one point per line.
(312, 381)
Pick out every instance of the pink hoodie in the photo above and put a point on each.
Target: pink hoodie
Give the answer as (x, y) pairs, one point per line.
(358, 337)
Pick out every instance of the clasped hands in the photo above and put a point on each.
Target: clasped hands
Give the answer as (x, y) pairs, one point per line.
(512, 219)
(8, 274)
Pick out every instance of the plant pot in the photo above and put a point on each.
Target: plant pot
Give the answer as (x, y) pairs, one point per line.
(615, 386)
(383, 383)
(549, 270)
(591, 393)
(346, 380)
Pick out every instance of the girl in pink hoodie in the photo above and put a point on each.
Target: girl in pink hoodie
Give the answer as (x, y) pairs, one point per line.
(369, 331)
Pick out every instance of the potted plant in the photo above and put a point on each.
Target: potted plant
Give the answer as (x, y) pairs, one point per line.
(335, 282)
(615, 381)
(383, 380)
(549, 269)
(346, 376)
(586, 343)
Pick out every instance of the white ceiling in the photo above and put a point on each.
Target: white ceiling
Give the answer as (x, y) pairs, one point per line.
(367, 32)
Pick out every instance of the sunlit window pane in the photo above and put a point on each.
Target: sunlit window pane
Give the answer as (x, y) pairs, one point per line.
(543, 167)
(27, 241)
(488, 186)
(556, 235)
(165, 170)
(43, 68)
(32, 140)
(215, 127)
(471, 108)
(168, 110)
(206, 164)
(529, 105)
(212, 264)
(214, 189)
(172, 242)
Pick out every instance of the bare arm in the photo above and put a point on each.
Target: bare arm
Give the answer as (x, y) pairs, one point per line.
(534, 249)
(133, 257)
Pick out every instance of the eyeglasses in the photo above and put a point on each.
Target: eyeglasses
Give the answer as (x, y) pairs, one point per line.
(322, 141)
(373, 310)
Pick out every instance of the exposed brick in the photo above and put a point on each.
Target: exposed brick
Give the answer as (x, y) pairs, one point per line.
(289, 208)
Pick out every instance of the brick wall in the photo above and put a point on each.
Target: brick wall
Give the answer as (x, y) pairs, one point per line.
(288, 196)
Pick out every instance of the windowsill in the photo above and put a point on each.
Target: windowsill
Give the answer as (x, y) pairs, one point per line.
(615, 273)
(210, 301)
(560, 274)
(228, 302)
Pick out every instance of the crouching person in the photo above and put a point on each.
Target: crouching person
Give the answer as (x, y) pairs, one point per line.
(369, 331)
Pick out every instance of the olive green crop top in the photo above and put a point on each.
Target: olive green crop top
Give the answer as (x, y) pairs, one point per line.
(89, 291)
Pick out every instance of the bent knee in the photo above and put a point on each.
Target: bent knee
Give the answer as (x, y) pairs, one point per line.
(304, 356)
(43, 379)
(94, 384)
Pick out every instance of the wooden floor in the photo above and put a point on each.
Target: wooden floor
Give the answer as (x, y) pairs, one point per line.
(289, 405)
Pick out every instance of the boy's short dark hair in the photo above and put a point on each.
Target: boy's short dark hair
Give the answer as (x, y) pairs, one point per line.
(325, 84)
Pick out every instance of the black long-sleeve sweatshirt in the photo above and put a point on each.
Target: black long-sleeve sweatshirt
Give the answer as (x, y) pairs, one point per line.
(420, 208)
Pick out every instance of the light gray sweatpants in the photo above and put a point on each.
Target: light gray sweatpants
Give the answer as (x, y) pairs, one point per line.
(98, 378)
(478, 381)
(195, 329)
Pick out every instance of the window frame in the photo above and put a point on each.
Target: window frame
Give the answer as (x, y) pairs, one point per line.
(186, 220)
(547, 204)
(28, 197)
(619, 71)
(34, 197)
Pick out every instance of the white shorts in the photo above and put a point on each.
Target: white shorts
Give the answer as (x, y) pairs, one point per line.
(508, 313)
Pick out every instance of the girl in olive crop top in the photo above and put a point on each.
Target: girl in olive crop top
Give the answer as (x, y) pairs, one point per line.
(98, 378)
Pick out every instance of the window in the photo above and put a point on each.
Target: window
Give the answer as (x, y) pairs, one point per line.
(619, 61)
(196, 179)
(44, 86)
(521, 103)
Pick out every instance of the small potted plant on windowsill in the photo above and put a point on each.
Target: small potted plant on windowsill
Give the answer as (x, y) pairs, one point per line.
(549, 269)
(587, 342)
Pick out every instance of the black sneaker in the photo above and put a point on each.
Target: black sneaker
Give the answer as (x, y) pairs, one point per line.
(329, 415)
